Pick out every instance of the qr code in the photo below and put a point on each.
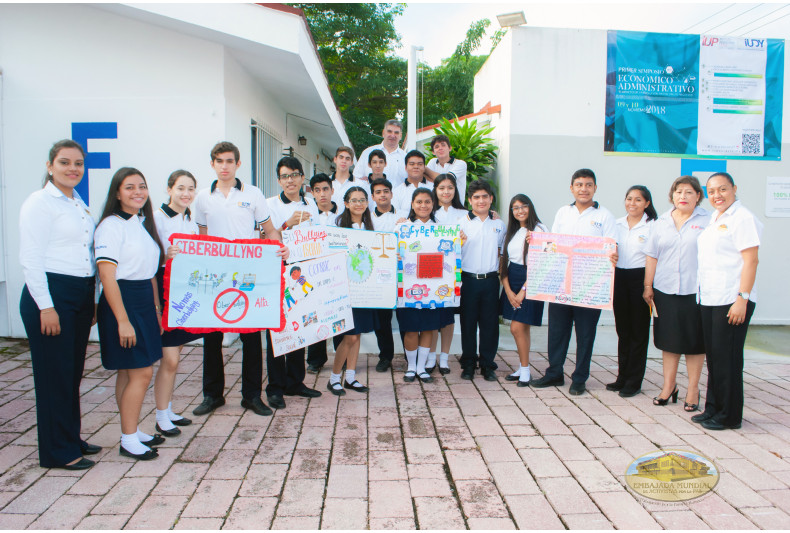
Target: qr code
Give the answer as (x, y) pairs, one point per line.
(752, 143)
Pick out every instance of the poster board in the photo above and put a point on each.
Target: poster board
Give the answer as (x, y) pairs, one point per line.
(429, 266)
(371, 259)
(218, 284)
(316, 303)
(570, 269)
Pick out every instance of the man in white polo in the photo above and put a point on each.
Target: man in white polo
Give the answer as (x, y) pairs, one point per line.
(395, 169)
(443, 163)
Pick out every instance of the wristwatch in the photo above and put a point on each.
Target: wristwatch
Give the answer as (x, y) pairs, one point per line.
(744, 295)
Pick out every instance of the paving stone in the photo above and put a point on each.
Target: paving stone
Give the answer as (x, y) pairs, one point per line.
(212, 498)
(750, 474)
(543, 462)
(203, 449)
(264, 480)
(387, 466)
(483, 425)
(568, 448)
(40, 496)
(623, 510)
(587, 521)
(275, 450)
(181, 480)
(497, 449)
(423, 451)
(126, 496)
(347, 481)
(103, 522)
(310, 464)
(393, 523)
(65, 513)
(350, 451)
(245, 438)
(679, 520)
(157, 512)
(390, 499)
(533, 511)
(16, 521)
(230, 464)
(385, 438)
(251, 513)
(301, 497)
(438, 513)
(490, 524)
(100, 478)
(768, 517)
(345, 514)
(566, 495)
(549, 425)
(299, 523)
(719, 514)
(199, 523)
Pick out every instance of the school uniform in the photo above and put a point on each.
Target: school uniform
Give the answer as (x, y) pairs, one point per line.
(282, 208)
(448, 216)
(454, 166)
(401, 195)
(122, 240)
(720, 267)
(594, 221)
(411, 319)
(56, 254)
(235, 216)
(631, 313)
(531, 311)
(385, 221)
(365, 321)
(396, 162)
(339, 191)
(678, 326)
(167, 223)
(480, 290)
(329, 217)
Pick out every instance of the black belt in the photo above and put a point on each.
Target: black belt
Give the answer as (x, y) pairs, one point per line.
(480, 276)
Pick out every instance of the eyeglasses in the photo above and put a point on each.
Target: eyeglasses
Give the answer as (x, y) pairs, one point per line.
(292, 176)
(517, 208)
(358, 201)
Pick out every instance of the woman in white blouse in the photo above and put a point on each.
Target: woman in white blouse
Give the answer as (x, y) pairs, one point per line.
(631, 313)
(727, 292)
(56, 253)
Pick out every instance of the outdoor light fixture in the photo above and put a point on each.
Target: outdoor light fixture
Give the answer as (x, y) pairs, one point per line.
(302, 141)
(511, 19)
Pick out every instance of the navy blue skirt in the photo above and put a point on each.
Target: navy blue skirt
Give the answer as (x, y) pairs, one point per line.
(447, 316)
(173, 337)
(138, 300)
(365, 321)
(412, 319)
(531, 311)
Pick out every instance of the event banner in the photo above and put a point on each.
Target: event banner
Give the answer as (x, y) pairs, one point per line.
(316, 304)
(371, 259)
(429, 266)
(694, 95)
(216, 284)
(570, 269)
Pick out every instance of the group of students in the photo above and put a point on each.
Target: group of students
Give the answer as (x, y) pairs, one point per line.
(656, 261)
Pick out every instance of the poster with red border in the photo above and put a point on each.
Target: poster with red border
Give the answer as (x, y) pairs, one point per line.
(218, 284)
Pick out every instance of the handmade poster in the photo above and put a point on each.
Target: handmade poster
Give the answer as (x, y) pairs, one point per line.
(371, 259)
(429, 266)
(570, 269)
(316, 303)
(217, 284)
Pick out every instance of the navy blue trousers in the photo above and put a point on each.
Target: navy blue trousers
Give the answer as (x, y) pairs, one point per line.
(479, 309)
(286, 372)
(251, 365)
(562, 318)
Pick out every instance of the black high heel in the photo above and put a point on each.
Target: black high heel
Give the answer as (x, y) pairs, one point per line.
(664, 401)
(691, 407)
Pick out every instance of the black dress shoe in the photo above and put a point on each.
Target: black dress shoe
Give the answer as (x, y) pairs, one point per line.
(314, 369)
(577, 388)
(523, 383)
(628, 393)
(705, 415)
(257, 406)
(614, 386)
(409, 376)
(444, 370)
(208, 405)
(547, 381)
(513, 377)
(430, 370)
(147, 456)
(488, 374)
(715, 425)
(356, 385)
(82, 464)
(182, 422)
(89, 449)
(425, 377)
(383, 365)
(275, 401)
(304, 391)
(335, 388)
(168, 432)
(468, 373)
(153, 441)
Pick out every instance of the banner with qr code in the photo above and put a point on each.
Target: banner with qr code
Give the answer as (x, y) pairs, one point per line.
(694, 95)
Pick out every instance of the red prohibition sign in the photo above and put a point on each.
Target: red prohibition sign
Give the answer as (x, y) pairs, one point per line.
(239, 294)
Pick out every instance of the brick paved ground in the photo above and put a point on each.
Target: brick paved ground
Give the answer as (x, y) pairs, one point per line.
(446, 455)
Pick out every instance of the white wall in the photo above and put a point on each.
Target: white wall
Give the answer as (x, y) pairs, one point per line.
(555, 126)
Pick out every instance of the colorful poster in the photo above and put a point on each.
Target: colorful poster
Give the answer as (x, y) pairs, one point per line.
(429, 266)
(371, 259)
(316, 303)
(694, 95)
(216, 284)
(570, 269)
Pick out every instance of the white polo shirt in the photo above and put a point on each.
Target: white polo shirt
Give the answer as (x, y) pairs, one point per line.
(121, 239)
(55, 235)
(515, 247)
(719, 251)
(449, 215)
(676, 252)
(339, 191)
(396, 163)
(455, 167)
(236, 216)
(328, 218)
(631, 242)
(385, 221)
(484, 241)
(169, 222)
(595, 221)
(282, 209)
(401, 195)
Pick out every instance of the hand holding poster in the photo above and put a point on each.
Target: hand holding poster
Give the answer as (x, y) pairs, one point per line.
(429, 267)
(216, 284)
(570, 269)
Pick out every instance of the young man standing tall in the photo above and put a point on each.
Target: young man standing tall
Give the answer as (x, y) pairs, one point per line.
(443, 163)
(391, 136)
(342, 179)
(415, 178)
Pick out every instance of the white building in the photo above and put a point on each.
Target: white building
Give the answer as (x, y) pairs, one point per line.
(153, 86)
(551, 85)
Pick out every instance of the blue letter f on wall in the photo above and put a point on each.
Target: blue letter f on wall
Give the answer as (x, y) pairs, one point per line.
(82, 132)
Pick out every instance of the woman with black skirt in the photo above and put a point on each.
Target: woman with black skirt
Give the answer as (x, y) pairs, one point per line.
(671, 289)
(56, 253)
(631, 313)
(513, 306)
(128, 254)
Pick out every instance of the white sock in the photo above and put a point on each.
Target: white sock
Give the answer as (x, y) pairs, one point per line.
(170, 414)
(517, 373)
(422, 357)
(144, 437)
(431, 362)
(351, 375)
(411, 359)
(132, 444)
(525, 376)
(443, 359)
(334, 378)
(163, 420)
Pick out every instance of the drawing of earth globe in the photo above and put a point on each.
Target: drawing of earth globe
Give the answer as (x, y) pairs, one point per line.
(360, 265)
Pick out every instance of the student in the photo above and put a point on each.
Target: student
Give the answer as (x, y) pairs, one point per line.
(631, 313)
(233, 210)
(172, 217)
(418, 326)
(449, 211)
(56, 253)
(356, 215)
(289, 209)
(342, 179)
(391, 136)
(582, 217)
(384, 219)
(377, 161)
(129, 315)
(415, 169)
(443, 163)
(513, 304)
(482, 238)
(328, 210)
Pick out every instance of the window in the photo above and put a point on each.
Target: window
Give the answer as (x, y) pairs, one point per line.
(267, 149)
